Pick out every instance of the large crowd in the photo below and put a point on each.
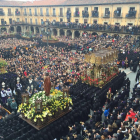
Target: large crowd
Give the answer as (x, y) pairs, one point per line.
(29, 60)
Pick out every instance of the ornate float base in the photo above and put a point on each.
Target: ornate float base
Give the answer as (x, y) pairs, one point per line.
(44, 124)
(50, 41)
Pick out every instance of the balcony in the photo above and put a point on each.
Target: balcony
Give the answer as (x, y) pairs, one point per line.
(85, 14)
(30, 14)
(77, 14)
(131, 14)
(54, 15)
(68, 14)
(47, 15)
(117, 15)
(10, 14)
(2, 14)
(35, 14)
(41, 15)
(17, 13)
(94, 13)
(106, 15)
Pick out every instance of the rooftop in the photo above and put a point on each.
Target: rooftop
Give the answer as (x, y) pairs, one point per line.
(64, 2)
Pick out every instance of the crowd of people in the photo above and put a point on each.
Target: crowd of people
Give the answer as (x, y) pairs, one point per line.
(29, 61)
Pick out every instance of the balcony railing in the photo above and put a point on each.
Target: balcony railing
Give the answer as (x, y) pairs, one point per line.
(106, 15)
(30, 14)
(77, 14)
(10, 14)
(131, 14)
(36, 14)
(118, 15)
(85, 14)
(17, 14)
(47, 15)
(2, 14)
(94, 13)
(41, 15)
(54, 15)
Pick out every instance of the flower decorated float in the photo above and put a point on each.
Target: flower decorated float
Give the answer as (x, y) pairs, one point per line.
(3, 65)
(103, 69)
(41, 110)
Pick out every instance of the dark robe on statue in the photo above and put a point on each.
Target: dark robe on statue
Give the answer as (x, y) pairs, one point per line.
(47, 85)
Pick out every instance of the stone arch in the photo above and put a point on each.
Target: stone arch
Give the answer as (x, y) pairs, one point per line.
(76, 34)
(12, 29)
(37, 30)
(18, 29)
(61, 31)
(94, 33)
(105, 34)
(69, 33)
(32, 29)
(54, 32)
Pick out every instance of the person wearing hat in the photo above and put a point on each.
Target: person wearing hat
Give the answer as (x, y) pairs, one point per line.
(19, 86)
(14, 106)
(9, 92)
(3, 96)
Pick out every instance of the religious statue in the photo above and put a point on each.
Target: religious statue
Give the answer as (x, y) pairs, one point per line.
(126, 63)
(109, 95)
(47, 84)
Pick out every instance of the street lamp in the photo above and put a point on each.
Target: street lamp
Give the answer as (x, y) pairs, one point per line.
(48, 33)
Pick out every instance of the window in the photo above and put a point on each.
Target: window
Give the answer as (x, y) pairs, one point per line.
(1, 11)
(47, 11)
(130, 24)
(2, 21)
(95, 21)
(61, 11)
(25, 11)
(30, 11)
(76, 20)
(132, 8)
(17, 19)
(35, 12)
(30, 20)
(42, 22)
(77, 12)
(76, 9)
(61, 19)
(9, 11)
(53, 11)
(117, 23)
(107, 12)
(85, 21)
(105, 23)
(17, 12)
(41, 11)
(86, 8)
(10, 21)
(26, 20)
(36, 21)
(119, 10)
(96, 8)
